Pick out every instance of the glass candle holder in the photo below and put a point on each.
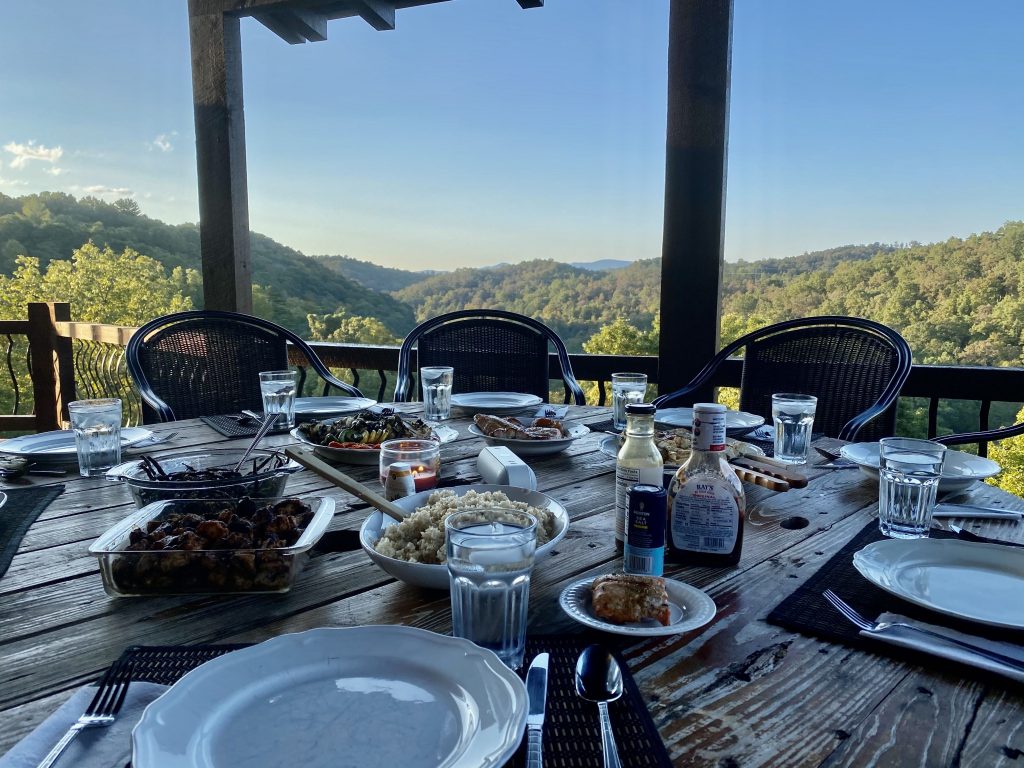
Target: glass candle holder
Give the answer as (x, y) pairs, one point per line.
(422, 456)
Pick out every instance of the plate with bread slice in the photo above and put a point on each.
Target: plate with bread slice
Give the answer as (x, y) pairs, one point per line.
(640, 606)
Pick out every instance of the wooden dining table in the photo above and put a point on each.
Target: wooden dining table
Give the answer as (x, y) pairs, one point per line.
(738, 692)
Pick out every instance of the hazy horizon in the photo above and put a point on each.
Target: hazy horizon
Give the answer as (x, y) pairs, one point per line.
(480, 133)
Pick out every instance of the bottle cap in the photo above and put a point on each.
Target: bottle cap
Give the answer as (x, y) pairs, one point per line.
(400, 468)
(641, 409)
(709, 407)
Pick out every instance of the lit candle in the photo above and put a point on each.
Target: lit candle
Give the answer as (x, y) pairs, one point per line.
(424, 478)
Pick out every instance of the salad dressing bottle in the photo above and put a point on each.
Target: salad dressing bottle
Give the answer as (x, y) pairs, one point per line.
(705, 499)
(639, 462)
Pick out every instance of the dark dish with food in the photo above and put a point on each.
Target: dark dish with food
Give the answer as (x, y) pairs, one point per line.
(212, 546)
(366, 430)
(512, 428)
(206, 474)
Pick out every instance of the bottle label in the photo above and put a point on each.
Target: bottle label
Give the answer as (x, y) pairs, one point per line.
(626, 478)
(644, 561)
(708, 430)
(705, 518)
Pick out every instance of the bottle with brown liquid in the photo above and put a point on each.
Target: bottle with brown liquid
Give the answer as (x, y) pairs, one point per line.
(705, 500)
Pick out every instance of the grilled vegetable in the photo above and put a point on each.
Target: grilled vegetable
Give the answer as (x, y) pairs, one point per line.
(365, 429)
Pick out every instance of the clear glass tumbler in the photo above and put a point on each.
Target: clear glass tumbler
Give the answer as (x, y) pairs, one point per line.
(490, 556)
(422, 456)
(908, 480)
(626, 388)
(793, 416)
(437, 391)
(278, 389)
(97, 427)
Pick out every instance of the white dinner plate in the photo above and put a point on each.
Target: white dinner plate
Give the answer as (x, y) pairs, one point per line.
(59, 445)
(736, 422)
(610, 447)
(497, 403)
(689, 607)
(307, 408)
(959, 469)
(535, 447)
(970, 580)
(366, 697)
(436, 576)
(367, 456)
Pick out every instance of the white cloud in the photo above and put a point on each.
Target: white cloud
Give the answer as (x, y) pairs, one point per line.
(100, 190)
(13, 183)
(55, 171)
(163, 141)
(32, 151)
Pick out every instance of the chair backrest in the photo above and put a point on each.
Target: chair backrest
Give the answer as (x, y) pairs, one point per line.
(854, 366)
(203, 363)
(490, 350)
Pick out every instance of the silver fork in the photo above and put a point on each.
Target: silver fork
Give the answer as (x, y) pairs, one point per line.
(156, 440)
(881, 626)
(101, 712)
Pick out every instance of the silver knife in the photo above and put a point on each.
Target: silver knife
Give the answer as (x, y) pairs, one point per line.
(537, 693)
(975, 511)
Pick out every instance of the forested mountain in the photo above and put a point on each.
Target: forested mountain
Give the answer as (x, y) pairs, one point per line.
(366, 273)
(51, 225)
(575, 302)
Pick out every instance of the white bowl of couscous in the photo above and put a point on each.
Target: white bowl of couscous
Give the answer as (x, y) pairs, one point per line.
(413, 550)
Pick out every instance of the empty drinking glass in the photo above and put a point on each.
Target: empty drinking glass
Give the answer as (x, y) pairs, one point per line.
(490, 556)
(97, 427)
(278, 389)
(437, 391)
(908, 479)
(793, 416)
(626, 388)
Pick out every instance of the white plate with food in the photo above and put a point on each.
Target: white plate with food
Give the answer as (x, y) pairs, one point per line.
(674, 445)
(970, 580)
(530, 437)
(736, 422)
(59, 446)
(374, 697)
(500, 403)
(307, 408)
(423, 536)
(682, 607)
(356, 439)
(959, 469)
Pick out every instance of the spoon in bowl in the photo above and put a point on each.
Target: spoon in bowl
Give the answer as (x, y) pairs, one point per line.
(599, 679)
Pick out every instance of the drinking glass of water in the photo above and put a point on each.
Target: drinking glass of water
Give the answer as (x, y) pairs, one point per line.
(97, 427)
(793, 416)
(278, 389)
(490, 556)
(437, 391)
(626, 388)
(908, 479)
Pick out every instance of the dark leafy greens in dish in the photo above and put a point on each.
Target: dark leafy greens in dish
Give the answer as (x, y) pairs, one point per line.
(190, 474)
(367, 429)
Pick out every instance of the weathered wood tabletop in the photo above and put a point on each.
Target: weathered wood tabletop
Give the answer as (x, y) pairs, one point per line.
(740, 692)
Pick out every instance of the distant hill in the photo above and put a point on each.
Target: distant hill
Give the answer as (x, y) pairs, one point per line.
(601, 264)
(387, 279)
(51, 225)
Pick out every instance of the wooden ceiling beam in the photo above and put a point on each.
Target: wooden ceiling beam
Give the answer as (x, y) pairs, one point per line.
(531, 3)
(279, 23)
(379, 14)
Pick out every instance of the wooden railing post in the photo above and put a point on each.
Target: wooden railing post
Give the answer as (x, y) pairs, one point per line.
(53, 368)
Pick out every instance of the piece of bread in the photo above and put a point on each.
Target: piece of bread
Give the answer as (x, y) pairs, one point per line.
(623, 598)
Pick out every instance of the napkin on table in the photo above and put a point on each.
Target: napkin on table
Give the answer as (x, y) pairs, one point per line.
(109, 747)
(915, 641)
(550, 411)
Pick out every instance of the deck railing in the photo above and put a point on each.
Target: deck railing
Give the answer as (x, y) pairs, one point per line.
(51, 360)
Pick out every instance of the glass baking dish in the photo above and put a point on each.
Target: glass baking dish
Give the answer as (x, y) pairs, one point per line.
(211, 568)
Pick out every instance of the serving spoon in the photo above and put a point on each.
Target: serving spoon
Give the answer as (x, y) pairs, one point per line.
(599, 679)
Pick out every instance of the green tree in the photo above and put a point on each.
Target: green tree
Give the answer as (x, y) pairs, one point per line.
(340, 326)
(128, 206)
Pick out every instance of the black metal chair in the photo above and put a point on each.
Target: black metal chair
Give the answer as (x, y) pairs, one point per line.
(982, 438)
(854, 366)
(492, 350)
(204, 363)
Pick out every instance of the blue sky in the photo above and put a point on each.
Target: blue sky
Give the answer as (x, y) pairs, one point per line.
(477, 132)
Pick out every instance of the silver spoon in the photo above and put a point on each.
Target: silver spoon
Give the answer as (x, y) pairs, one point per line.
(599, 679)
(268, 421)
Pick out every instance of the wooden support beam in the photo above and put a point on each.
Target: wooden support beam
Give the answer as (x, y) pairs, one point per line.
(699, 53)
(312, 26)
(278, 22)
(53, 367)
(531, 3)
(379, 14)
(220, 156)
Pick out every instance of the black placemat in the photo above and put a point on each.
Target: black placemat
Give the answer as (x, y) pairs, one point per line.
(21, 509)
(230, 426)
(807, 612)
(572, 734)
